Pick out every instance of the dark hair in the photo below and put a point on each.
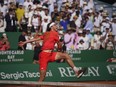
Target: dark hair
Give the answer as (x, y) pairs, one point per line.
(10, 10)
(36, 1)
(48, 28)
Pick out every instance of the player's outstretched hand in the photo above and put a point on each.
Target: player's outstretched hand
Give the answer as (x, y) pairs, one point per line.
(20, 44)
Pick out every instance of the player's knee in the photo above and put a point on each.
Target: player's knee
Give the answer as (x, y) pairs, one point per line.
(65, 56)
(62, 55)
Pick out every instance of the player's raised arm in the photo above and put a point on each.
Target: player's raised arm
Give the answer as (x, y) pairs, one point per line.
(28, 41)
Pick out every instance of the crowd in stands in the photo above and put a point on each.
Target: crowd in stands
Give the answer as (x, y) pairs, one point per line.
(80, 25)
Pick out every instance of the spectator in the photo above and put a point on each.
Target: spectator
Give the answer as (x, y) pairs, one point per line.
(89, 25)
(2, 23)
(12, 5)
(96, 22)
(113, 25)
(64, 23)
(26, 4)
(29, 15)
(91, 15)
(105, 24)
(36, 22)
(4, 43)
(105, 34)
(46, 14)
(73, 22)
(59, 3)
(85, 39)
(85, 7)
(71, 13)
(4, 8)
(11, 21)
(40, 11)
(44, 24)
(55, 13)
(78, 21)
(91, 4)
(68, 39)
(22, 39)
(76, 38)
(81, 45)
(89, 35)
(51, 5)
(37, 50)
(29, 36)
(23, 24)
(96, 41)
(35, 3)
(109, 43)
(20, 11)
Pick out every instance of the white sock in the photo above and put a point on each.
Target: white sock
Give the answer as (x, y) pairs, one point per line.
(75, 69)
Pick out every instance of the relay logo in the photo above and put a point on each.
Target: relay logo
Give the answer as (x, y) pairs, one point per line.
(111, 69)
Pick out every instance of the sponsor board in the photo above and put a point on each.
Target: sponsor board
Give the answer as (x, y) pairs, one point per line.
(58, 72)
(16, 56)
(22, 57)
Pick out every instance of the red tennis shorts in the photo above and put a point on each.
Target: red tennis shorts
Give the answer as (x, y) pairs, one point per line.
(44, 58)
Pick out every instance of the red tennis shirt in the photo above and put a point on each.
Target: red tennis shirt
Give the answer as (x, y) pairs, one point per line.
(49, 40)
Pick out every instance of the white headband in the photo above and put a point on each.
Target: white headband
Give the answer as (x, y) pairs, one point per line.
(51, 24)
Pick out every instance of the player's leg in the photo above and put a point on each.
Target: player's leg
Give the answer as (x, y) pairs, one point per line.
(43, 63)
(68, 59)
(42, 75)
(65, 56)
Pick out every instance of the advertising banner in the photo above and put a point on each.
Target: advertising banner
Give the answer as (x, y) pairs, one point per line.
(58, 72)
(16, 57)
(22, 57)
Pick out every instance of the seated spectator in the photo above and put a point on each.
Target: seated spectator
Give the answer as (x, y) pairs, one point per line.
(4, 43)
(105, 24)
(22, 39)
(12, 5)
(88, 25)
(37, 50)
(81, 45)
(105, 36)
(27, 3)
(3, 8)
(68, 39)
(96, 22)
(2, 23)
(36, 22)
(64, 23)
(113, 25)
(89, 35)
(46, 14)
(109, 44)
(29, 46)
(96, 41)
(55, 13)
(72, 23)
(85, 39)
(23, 24)
(44, 24)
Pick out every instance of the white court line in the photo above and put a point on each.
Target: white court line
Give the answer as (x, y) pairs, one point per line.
(56, 83)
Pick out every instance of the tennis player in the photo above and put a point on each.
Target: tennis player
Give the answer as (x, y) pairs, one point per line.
(50, 38)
